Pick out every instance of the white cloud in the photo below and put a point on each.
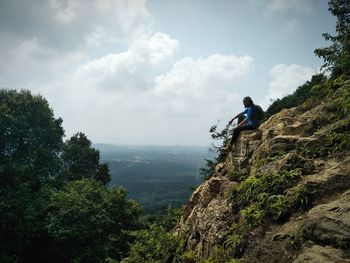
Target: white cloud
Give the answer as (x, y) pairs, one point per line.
(162, 47)
(65, 10)
(286, 79)
(122, 97)
(68, 25)
(134, 69)
(43, 40)
(294, 25)
(194, 84)
(29, 61)
(296, 5)
(300, 6)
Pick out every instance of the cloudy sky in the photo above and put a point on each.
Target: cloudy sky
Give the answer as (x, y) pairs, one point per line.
(158, 72)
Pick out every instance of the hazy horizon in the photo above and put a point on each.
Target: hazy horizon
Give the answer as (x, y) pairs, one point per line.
(96, 145)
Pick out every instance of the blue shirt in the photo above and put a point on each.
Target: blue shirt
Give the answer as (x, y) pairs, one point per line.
(249, 112)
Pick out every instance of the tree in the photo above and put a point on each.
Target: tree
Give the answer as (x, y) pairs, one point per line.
(220, 151)
(337, 55)
(30, 143)
(30, 139)
(154, 245)
(89, 222)
(297, 97)
(80, 160)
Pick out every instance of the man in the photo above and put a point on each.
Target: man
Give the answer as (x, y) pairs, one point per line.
(250, 122)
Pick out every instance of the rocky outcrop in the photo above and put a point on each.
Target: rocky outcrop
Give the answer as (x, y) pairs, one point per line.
(321, 234)
(317, 227)
(206, 216)
(320, 254)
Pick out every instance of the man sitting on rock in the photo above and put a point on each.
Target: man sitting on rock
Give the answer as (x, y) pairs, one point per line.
(250, 122)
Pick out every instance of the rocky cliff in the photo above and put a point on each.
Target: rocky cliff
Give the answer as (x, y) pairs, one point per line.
(283, 194)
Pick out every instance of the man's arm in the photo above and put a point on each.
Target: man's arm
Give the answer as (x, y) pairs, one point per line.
(230, 122)
(239, 114)
(242, 122)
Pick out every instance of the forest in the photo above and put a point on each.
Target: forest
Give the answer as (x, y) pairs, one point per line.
(54, 202)
(155, 176)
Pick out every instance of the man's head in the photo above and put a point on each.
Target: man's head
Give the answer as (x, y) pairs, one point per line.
(247, 101)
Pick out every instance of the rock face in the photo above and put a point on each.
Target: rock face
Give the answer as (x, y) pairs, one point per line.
(206, 216)
(321, 234)
(294, 139)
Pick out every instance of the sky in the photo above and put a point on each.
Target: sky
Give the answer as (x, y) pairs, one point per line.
(158, 72)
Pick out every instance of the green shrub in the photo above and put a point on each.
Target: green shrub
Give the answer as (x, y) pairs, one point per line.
(271, 183)
(189, 256)
(301, 94)
(238, 176)
(154, 245)
(88, 222)
(252, 215)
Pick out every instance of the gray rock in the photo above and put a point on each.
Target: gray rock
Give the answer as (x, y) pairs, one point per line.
(320, 254)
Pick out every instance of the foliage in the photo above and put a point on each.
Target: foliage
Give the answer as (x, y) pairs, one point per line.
(338, 99)
(154, 245)
(337, 142)
(266, 207)
(297, 97)
(30, 139)
(259, 199)
(235, 240)
(239, 175)
(275, 156)
(337, 55)
(166, 178)
(302, 196)
(171, 218)
(189, 256)
(13, 237)
(223, 137)
(341, 99)
(252, 215)
(273, 183)
(228, 251)
(30, 143)
(80, 161)
(88, 221)
(42, 218)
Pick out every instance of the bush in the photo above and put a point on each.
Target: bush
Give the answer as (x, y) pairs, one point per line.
(89, 222)
(154, 245)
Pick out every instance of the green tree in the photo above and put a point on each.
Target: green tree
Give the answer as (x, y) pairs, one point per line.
(30, 143)
(297, 97)
(89, 222)
(220, 151)
(80, 160)
(337, 55)
(30, 139)
(154, 245)
(42, 217)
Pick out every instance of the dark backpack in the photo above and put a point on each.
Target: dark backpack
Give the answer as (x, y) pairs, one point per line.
(259, 113)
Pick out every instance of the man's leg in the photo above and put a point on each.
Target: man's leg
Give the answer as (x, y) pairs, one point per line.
(236, 133)
(241, 118)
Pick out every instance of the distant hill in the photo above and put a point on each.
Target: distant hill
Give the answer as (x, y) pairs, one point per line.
(155, 176)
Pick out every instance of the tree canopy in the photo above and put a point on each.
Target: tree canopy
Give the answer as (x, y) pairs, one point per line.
(80, 161)
(337, 55)
(54, 203)
(30, 139)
